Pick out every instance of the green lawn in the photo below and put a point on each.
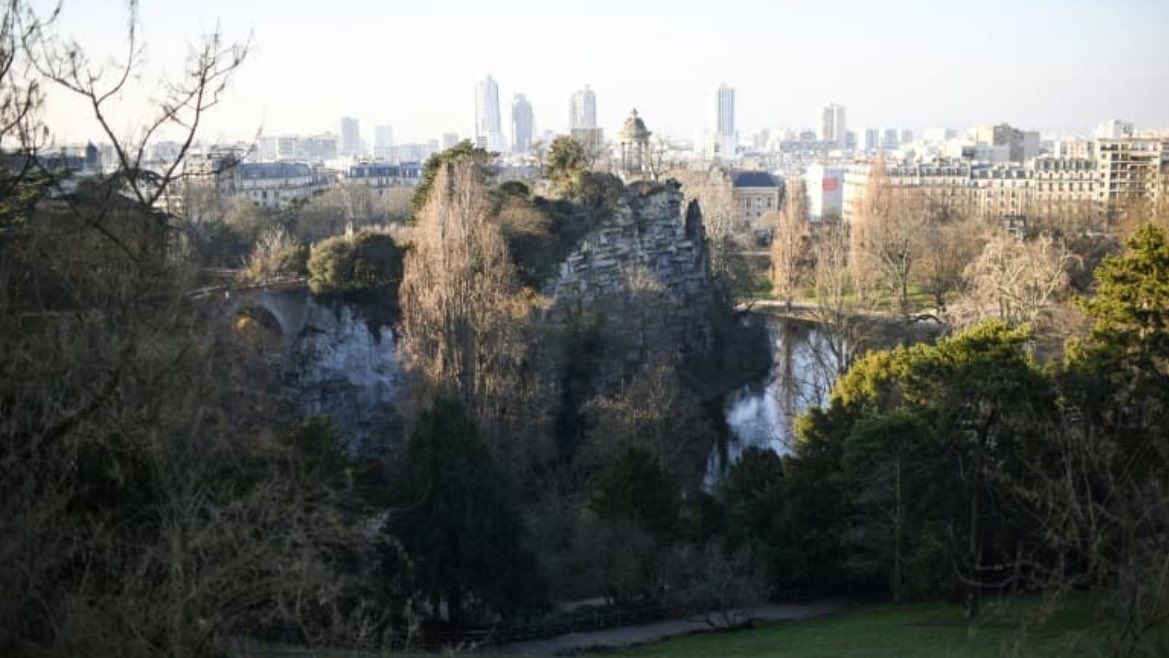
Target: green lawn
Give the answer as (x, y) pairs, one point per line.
(895, 631)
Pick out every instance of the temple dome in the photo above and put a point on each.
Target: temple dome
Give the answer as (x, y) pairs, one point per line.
(634, 129)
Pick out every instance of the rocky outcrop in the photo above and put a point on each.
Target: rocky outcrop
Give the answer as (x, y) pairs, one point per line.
(643, 279)
(345, 367)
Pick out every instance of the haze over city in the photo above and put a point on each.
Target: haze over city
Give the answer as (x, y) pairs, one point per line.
(1059, 67)
(755, 328)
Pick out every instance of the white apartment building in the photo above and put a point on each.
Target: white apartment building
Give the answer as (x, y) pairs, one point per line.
(825, 192)
(272, 185)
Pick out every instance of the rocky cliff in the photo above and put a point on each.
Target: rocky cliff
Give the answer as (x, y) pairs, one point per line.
(642, 279)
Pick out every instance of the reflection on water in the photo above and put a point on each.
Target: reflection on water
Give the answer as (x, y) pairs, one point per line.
(762, 414)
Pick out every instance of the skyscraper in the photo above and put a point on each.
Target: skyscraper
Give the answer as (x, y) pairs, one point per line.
(350, 136)
(383, 140)
(726, 111)
(521, 124)
(832, 125)
(488, 130)
(582, 112)
(383, 136)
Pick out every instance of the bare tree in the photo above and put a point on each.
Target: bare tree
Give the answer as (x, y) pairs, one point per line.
(712, 189)
(148, 509)
(1013, 280)
(789, 244)
(836, 312)
(655, 157)
(727, 236)
(948, 245)
(464, 311)
(185, 101)
(885, 238)
(21, 96)
(653, 412)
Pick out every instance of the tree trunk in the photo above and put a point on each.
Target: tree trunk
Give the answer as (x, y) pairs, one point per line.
(897, 532)
(973, 591)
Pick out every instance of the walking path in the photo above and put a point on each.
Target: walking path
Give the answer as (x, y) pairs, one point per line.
(613, 638)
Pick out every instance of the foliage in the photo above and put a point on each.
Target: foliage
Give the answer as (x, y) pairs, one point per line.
(466, 316)
(355, 263)
(464, 151)
(349, 206)
(655, 413)
(276, 255)
(567, 164)
(636, 488)
(458, 521)
(950, 424)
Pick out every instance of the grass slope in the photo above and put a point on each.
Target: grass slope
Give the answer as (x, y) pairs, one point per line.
(895, 631)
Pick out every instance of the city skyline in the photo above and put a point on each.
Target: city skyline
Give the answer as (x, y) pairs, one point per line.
(1070, 66)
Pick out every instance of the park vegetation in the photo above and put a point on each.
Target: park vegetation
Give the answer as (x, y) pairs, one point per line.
(161, 496)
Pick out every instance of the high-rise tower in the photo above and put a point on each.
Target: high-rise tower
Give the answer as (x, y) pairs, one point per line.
(521, 124)
(350, 136)
(488, 129)
(582, 112)
(832, 125)
(726, 111)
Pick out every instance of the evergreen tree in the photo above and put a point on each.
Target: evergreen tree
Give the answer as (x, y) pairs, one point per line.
(458, 522)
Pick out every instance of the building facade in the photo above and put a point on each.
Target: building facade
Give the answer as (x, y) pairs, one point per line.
(350, 136)
(754, 193)
(825, 193)
(832, 125)
(380, 177)
(725, 112)
(488, 128)
(1120, 172)
(1130, 170)
(521, 125)
(1021, 146)
(313, 148)
(272, 185)
(383, 140)
(582, 111)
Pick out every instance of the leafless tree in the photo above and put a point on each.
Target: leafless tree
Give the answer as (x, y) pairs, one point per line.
(465, 314)
(948, 245)
(653, 412)
(148, 508)
(789, 244)
(1102, 514)
(656, 162)
(21, 96)
(836, 312)
(1013, 280)
(184, 103)
(712, 189)
(727, 236)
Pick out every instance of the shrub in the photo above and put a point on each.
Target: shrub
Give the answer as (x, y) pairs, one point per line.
(354, 263)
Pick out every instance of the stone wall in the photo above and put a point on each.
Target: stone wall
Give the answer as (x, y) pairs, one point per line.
(643, 279)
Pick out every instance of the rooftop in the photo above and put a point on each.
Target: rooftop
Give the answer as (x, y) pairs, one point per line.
(754, 179)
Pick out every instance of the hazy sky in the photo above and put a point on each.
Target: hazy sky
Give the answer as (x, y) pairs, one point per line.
(1056, 65)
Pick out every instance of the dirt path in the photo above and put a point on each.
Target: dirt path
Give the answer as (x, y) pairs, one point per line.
(625, 636)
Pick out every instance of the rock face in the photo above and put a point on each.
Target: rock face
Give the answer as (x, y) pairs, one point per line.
(346, 368)
(642, 279)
